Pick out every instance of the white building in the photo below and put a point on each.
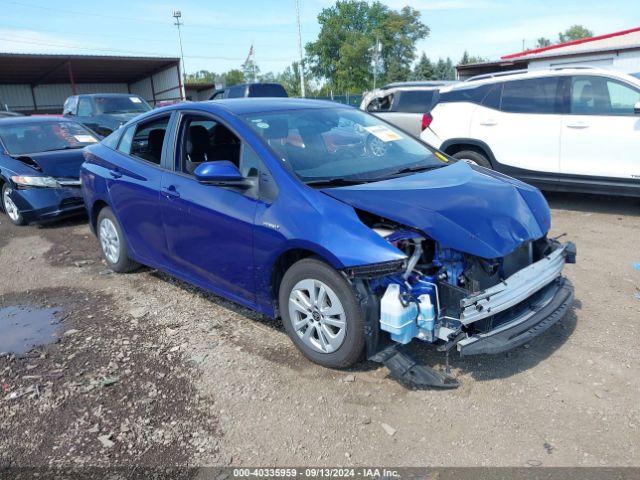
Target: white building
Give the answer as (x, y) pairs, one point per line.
(617, 51)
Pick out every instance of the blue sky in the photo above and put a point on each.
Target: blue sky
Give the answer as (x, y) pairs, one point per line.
(217, 34)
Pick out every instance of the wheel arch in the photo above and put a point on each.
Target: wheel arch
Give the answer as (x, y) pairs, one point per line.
(455, 145)
(94, 212)
(286, 259)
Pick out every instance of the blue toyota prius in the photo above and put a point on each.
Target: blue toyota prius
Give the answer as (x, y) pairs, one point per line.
(40, 160)
(359, 236)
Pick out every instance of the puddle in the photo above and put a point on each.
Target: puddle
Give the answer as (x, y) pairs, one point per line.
(23, 327)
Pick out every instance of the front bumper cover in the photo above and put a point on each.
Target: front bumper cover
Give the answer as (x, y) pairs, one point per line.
(525, 321)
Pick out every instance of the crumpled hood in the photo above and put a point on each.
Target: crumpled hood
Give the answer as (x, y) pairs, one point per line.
(60, 163)
(470, 209)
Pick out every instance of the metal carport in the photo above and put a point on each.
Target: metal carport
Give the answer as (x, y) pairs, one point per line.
(40, 83)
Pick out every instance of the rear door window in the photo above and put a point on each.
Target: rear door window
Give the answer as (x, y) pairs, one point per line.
(535, 95)
(414, 101)
(146, 140)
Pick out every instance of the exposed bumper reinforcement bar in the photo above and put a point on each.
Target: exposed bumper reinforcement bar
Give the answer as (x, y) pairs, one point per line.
(546, 308)
(515, 289)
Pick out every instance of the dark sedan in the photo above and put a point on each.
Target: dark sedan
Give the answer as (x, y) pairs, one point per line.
(40, 162)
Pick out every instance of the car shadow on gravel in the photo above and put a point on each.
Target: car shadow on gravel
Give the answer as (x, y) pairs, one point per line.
(594, 203)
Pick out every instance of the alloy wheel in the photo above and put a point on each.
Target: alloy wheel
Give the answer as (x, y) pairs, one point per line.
(109, 240)
(317, 315)
(10, 207)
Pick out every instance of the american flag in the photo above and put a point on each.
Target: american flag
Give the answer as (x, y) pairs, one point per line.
(250, 54)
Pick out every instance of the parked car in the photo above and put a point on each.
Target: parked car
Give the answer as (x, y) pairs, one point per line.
(356, 252)
(404, 104)
(250, 90)
(104, 112)
(40, 162)
(568, 129)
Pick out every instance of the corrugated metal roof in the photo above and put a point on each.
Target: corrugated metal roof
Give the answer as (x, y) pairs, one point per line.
(621, 40)
(36, 69)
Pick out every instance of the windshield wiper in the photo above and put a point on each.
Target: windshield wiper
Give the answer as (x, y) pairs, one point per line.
(420, 168)
(66, 147)
(334, 182)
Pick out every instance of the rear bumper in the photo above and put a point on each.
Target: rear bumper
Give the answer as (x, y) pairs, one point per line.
(524, 321)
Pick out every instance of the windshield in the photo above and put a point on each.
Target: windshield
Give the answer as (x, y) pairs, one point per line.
(43, 137)
(342, 144)
(123, 104)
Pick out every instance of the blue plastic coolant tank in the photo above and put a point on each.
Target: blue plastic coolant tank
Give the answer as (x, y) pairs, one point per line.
(395, 317)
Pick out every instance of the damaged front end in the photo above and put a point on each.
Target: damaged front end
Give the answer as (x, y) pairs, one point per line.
(454, 299)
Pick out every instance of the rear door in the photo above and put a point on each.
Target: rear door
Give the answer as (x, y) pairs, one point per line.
(134, 187)
(601, 133)
(520, 121)
(407, 109)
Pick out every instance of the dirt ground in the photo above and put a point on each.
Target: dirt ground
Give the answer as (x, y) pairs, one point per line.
(147, 370)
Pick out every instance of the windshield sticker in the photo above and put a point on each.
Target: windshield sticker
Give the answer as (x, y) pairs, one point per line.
(262, 125)
(440, 157)
(383, 133)
(135, 99)
(85, 139)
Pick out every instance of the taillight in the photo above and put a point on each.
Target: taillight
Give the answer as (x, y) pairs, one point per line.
(426, 120)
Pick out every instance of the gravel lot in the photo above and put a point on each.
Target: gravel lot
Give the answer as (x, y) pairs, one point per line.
(147, 370)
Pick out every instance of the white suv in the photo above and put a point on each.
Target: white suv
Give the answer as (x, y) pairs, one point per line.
(568, 129)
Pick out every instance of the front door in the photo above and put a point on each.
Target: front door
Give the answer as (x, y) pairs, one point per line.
(208, 229)
(601, 133)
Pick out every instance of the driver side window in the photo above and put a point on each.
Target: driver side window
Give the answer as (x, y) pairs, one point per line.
(205, 140)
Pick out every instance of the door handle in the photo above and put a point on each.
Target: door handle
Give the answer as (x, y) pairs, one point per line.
(115, 173)
(170, 192)
(577, 125)
(489, 122)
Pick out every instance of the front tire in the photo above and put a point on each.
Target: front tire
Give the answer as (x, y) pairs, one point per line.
(113, 244)
(473, 157)
(321, 314)
(10, 208)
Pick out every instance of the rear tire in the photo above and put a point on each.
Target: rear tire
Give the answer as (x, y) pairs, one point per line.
(473, 157)
(113, 243)
(321, 314)
(10, 208)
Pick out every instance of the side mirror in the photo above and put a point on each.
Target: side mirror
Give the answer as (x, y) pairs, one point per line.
(221, 173)
(636, 108)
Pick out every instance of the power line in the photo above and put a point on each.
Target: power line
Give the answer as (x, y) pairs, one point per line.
(133, 19)
(19, 40)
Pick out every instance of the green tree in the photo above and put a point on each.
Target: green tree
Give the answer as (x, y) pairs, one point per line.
(469, 59)
(343, 52)
(289, 78)
(542, 42)
(424, 69)
(233, 77)
(203, 76)
(250, 70)
(574, 32)
(445, 70)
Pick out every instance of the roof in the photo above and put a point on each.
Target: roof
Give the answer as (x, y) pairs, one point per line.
(244, 106)
(34, 119)
(36, 69)
(611, 41)
(426, 83)
(199, 86)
